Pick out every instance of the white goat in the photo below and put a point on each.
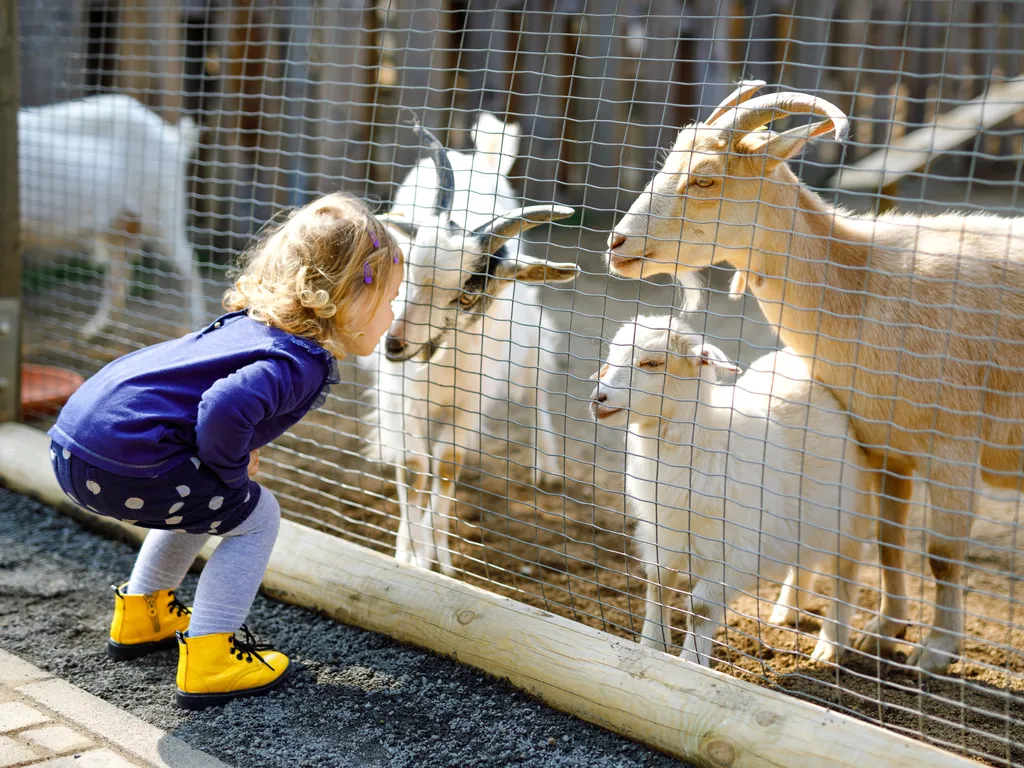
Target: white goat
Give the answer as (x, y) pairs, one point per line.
(915, 322)
(467, 280)
(733, 483)
(97, 173)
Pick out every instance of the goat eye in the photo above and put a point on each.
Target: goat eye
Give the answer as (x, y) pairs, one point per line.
(701, 181)
(651, 365)
(467, 299)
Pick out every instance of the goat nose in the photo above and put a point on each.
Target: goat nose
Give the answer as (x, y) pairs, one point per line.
(393, 345)
(615, 240)
(601, 398)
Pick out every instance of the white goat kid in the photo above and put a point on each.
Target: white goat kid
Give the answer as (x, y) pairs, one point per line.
(915, 322)
(733, 483)
(97, 173)
(468, 336)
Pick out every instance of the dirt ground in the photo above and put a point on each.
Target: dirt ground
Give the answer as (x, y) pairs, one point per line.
(565, 548)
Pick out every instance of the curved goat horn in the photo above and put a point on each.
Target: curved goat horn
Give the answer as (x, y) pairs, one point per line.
(445, 174)
(501, 229)
(744, 91)
(741, 120)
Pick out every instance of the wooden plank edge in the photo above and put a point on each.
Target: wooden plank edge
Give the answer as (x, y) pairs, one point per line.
(694, 713)
(917, 149)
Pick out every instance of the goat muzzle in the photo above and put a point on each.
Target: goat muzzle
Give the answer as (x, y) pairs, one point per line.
(395, 349)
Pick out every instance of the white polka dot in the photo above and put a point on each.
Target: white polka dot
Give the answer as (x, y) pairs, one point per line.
(216, 524)
(134, 503)
(195, 461)
(175, 507)
(93, 486)
(216, 502)
(130, 522)
(183, 490)
(66, 453)
(53, 455)
(212, 531)
(178, 530)
(174, 520)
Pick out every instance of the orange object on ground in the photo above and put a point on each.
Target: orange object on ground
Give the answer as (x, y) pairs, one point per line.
(44, 389)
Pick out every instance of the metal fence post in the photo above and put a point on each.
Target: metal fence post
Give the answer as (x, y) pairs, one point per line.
(10, 245)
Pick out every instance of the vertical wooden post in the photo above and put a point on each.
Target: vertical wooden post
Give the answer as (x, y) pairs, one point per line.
(808, 71)
(655, 81)
(296, 93)
(485, 56)
(599, 109)
(342, 138)
(133, 74)
(759, 50)
(421, 59)
(1011, 66)
(10, 228)
(166, 20)
(539, 105)
(709, 23)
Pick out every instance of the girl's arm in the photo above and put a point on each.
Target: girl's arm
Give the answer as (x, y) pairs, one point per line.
(231, 408)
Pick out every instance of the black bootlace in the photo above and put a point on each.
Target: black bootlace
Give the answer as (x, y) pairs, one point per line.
(177, 606)
(248, 648)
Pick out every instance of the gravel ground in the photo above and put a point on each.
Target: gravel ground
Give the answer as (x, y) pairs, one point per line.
(357, 699)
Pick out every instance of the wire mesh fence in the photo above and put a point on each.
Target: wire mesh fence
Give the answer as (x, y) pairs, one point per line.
(476, 440)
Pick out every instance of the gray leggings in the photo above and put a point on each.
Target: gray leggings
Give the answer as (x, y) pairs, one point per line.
(230, 579)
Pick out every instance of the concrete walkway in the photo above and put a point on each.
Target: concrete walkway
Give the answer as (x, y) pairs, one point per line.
(46, 721)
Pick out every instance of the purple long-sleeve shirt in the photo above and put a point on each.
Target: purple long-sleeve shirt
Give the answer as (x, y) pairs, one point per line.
(217, 394)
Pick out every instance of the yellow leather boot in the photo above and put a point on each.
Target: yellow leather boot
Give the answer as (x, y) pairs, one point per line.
(214, 669)
(144, 623)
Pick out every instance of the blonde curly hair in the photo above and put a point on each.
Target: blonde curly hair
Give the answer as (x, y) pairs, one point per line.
(307, 274)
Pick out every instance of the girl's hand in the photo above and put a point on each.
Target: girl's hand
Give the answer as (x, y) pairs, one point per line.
(254, 462)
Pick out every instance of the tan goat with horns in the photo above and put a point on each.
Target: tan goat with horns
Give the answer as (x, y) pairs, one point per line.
(915, 322)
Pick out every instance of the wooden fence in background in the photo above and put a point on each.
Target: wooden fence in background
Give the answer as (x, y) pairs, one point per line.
(307, 96)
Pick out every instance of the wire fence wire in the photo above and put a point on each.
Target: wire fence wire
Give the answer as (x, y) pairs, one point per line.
(487, 460)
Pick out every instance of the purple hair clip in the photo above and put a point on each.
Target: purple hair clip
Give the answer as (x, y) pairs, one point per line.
(367, 273)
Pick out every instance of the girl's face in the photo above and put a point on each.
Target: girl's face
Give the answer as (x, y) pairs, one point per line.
(373, 326)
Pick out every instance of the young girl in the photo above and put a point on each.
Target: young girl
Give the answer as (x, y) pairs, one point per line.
(168, 438)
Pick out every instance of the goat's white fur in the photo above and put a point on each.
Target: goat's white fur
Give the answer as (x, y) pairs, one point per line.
(733, 483)
(95, 170)
(915, 322)
(430, 414)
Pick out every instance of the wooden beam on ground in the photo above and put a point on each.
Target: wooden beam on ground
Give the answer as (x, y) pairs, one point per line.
(692, 712)
(915, 150)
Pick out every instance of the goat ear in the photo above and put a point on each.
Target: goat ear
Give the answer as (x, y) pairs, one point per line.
(788, 144)
(712, 355)
(501, 229)
(398, 221)
(528, 270)
(738, 284)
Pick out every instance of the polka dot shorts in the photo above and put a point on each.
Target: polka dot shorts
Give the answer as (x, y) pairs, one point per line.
(189, 498)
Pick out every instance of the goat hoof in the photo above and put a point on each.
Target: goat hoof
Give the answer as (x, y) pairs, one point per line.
(879, 637)
(405, 557)
(826, 651)
(782, 616)
(688, 654)
(935, 654)
(91, 331)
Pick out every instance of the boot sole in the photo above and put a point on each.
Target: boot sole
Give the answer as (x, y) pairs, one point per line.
(122, 652)
(196, 701)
